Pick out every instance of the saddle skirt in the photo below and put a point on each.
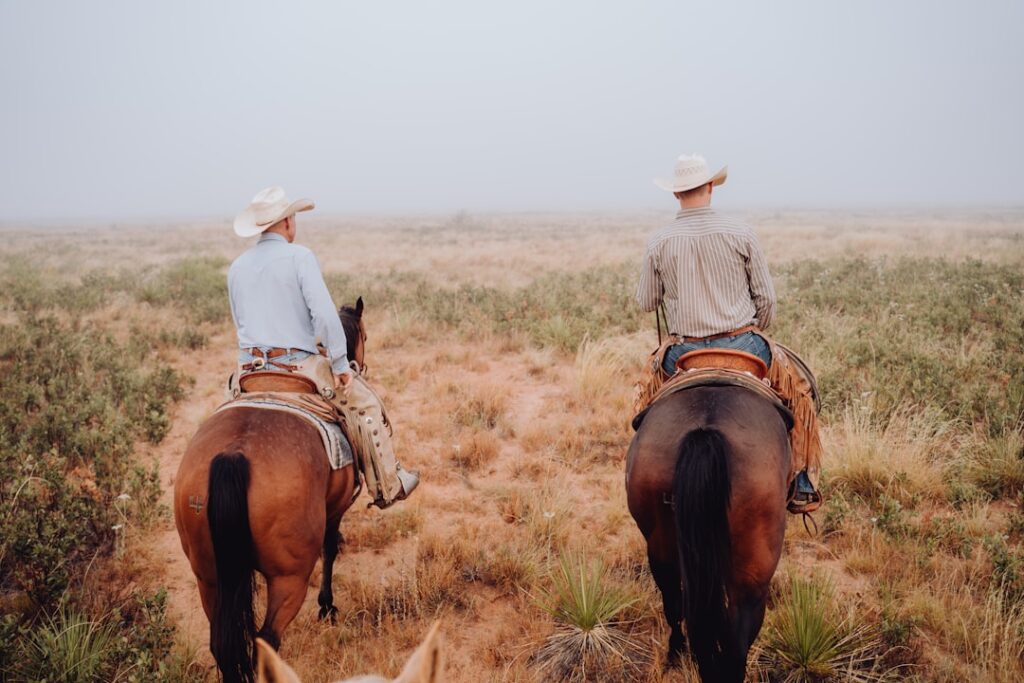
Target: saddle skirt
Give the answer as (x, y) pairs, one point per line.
(310, 407)
(712, 377)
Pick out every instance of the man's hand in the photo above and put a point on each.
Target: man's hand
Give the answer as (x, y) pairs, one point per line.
(342, 380)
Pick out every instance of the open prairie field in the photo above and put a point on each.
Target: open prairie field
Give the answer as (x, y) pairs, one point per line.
(505, 347)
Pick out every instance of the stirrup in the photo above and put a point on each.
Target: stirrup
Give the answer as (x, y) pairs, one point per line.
(803, 507)
(409, 481)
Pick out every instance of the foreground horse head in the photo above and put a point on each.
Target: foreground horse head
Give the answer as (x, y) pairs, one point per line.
(424, 666)
(706, 483)
(254, 492)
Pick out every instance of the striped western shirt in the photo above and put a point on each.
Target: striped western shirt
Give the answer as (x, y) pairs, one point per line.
(711, 274)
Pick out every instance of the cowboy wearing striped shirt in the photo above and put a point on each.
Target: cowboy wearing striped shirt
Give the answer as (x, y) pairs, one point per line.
(710, 273)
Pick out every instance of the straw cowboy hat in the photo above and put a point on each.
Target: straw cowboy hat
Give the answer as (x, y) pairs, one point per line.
(691, 171)
(268, 207)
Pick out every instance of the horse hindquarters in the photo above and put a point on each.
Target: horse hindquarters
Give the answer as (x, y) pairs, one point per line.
(232, 623)
(700, 490)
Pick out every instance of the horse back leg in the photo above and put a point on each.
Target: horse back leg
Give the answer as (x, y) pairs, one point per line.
(664, 563)
(747, 617)
(325, 599)
(285, 595)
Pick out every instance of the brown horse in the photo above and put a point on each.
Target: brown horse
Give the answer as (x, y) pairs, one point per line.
(255, 492)
(706, 483)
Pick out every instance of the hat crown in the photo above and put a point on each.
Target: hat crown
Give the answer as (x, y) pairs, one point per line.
(690, 165)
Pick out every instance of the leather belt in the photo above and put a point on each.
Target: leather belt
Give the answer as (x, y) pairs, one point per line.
(272, 353)
(734, 333)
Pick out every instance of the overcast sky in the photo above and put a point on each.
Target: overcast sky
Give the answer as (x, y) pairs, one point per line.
(141, 109)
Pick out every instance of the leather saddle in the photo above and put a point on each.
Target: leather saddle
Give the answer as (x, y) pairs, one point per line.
(726, 359)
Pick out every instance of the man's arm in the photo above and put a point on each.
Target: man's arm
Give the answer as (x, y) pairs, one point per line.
(326, 323)
(762, 291)
(649, 290)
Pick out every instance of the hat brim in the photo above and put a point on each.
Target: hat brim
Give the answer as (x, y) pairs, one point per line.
(246, 225)
(672, 186)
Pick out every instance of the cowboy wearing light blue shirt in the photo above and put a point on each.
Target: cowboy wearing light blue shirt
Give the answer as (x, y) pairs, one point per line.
(279, 300)
(281, 308)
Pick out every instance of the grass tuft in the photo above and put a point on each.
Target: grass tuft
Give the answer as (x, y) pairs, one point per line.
(590, 642)
(807, 640)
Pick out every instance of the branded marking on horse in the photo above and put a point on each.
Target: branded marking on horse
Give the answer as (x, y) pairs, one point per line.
(196, 503)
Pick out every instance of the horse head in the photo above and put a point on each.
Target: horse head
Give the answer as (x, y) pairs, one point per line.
(355, 331)
(424, 666)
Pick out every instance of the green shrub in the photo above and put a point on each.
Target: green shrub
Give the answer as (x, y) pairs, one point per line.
(589, 641)
(807, 639)
(196, 286)
(74, 404)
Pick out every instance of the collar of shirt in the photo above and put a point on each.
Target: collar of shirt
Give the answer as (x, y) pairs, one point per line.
(271, 237)
(699, 211)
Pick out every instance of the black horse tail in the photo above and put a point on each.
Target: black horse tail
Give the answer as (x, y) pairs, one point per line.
(700, 495)
(232, 624)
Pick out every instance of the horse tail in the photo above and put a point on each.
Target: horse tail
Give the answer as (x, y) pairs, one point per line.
(700, 494)
(232, 623)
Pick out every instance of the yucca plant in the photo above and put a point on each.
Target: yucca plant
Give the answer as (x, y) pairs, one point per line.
(808, 641)
(70, 648)
(590, 641)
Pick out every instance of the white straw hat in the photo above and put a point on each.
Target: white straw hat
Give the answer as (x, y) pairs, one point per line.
(691, 171)
(268, 207)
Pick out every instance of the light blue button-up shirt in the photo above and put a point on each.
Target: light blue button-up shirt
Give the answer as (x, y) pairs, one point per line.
(279, 299)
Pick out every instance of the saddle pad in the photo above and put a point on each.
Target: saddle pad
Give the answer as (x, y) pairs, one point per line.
(339, 450)
(711, 377)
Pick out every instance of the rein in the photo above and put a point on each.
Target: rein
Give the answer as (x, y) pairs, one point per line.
(659, 313)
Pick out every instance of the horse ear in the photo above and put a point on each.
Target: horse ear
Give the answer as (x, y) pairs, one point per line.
(359, 307)
(270, 668)
(426, 664)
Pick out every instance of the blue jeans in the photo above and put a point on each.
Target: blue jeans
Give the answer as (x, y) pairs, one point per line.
(750, 342)
(287, 359)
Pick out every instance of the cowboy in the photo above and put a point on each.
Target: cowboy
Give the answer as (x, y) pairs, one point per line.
(281, 308)
(710, 274)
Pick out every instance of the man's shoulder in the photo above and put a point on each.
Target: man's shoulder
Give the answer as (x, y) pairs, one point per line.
(700, 225)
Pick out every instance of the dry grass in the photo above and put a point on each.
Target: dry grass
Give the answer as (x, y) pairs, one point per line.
(520, 429)
(475, 449)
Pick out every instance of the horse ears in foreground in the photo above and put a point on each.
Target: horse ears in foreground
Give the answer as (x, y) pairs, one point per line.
(425, 666)
(359, 307)
(270, 668)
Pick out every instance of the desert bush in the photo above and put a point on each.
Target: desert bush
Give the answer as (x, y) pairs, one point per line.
(475, 449)
(196, 286)
(808, 639)
(74, 403)
(922, 332)
(997, 465)
(480, 406)
(590, 642)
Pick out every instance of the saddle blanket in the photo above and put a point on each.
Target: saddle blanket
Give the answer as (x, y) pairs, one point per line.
(337, 446)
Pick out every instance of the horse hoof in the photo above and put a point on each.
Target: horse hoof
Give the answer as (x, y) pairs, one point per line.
(329, 611)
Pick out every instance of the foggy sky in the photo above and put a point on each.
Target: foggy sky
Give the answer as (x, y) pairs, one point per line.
(135, 109)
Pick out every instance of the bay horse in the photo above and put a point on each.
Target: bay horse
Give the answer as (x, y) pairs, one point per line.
(706, 483)
(272, 505)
